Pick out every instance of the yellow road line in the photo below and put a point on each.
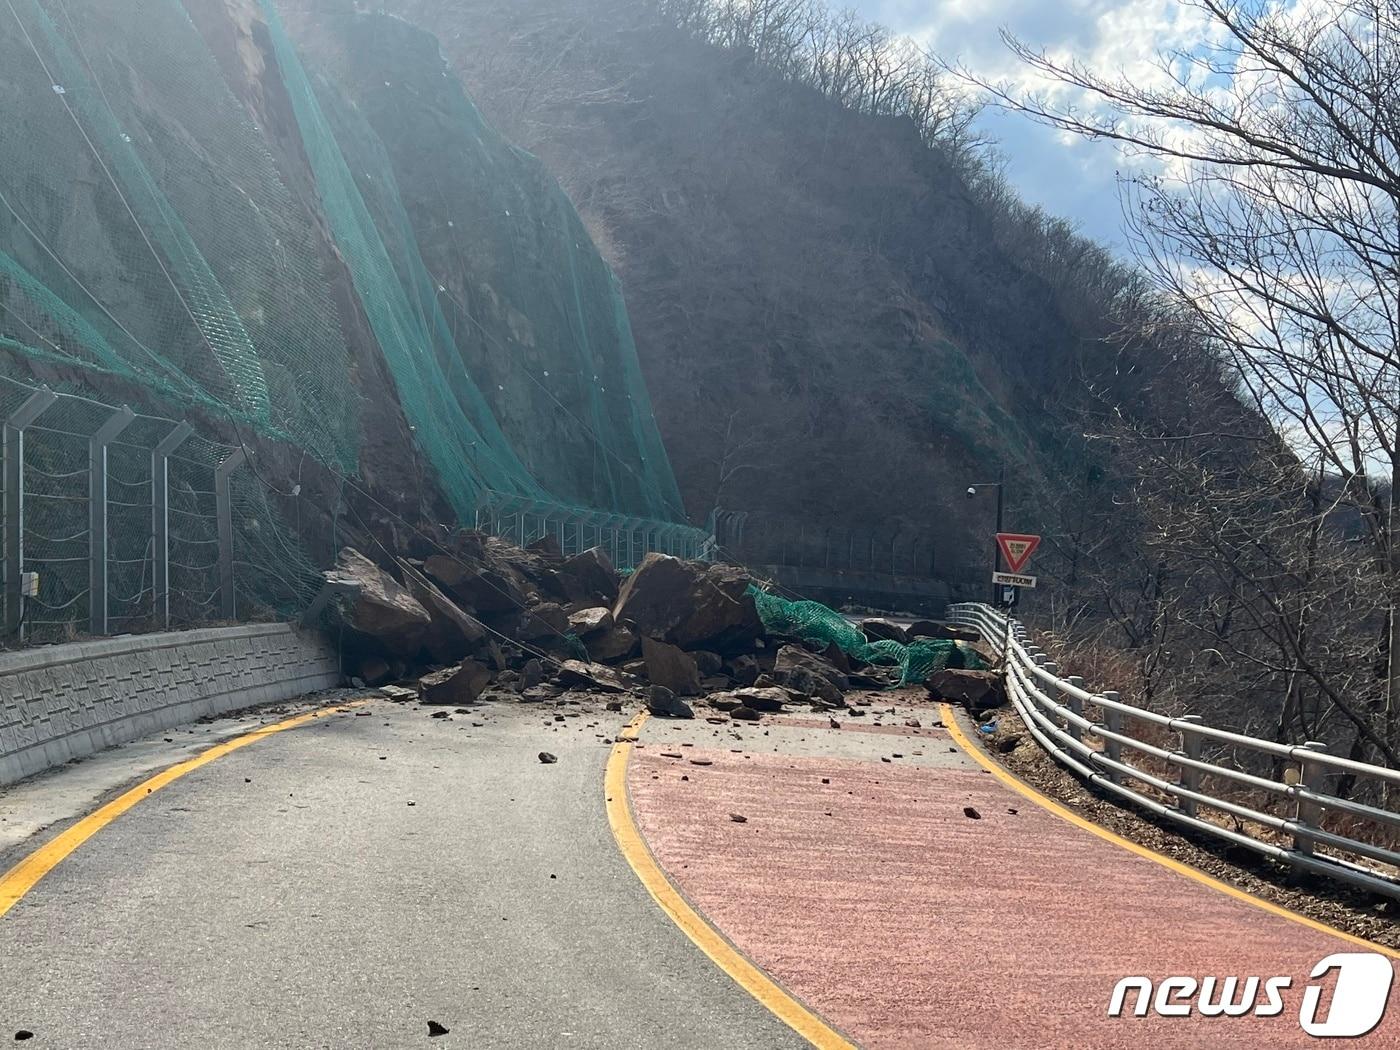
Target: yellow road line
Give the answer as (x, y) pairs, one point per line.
(20, 879)
(979, 756)
(724, 955)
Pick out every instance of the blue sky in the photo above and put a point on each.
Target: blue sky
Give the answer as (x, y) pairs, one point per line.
(1067, 176)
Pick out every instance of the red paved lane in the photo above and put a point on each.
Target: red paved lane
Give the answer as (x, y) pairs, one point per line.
(904, 922)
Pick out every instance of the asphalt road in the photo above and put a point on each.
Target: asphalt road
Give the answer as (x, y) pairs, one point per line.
(343, 883)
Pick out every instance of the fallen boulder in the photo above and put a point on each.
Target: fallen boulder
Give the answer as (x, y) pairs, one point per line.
(690, 604)
(599, 676)
(662, 701)
(809, 674)
(588, 622)
(670, 667)
(452, 634)
(454, 685)
(590, 574)
(878, 629)
(486, 574)
(377, 607)
(616, 644)
(744, 669)
(761, 699)
(976, 690)
(546, 620)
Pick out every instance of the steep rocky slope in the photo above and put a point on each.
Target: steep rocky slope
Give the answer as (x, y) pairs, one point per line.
(829, 293)
(327, 253)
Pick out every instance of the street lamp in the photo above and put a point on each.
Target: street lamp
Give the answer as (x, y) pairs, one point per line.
(1000, 486)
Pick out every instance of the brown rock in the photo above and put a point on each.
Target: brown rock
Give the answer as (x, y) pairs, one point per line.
(374, 670)
(614, 644)
(975, 690)
(878, 629)
(809, 674)
(746, 714)
(452, 634)
(376, 606)
(454, 685)
(744, 669)
(596, 676)
(761, 699)
(588, 622)
(670, 667)
(689, 604)
(478, 577)
(591, 574)
(662, 701)
(543, 621)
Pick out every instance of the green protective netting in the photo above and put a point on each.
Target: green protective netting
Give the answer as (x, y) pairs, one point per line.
(502, 327)
(145, 231)
(819, 625)
(155, 235)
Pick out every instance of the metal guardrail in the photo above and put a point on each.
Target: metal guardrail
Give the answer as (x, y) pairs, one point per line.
(1054, 711)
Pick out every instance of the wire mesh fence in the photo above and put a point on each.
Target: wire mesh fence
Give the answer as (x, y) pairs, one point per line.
(624, 538)
(116, 522)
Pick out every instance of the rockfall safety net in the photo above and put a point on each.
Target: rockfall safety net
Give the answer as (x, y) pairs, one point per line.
(819, 625)
(156, 235)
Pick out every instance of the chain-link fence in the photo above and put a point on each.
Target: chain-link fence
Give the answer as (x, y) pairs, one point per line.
(116, 522)
(625, 539)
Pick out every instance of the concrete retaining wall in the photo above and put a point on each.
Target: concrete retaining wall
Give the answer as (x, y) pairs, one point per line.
(66, 701)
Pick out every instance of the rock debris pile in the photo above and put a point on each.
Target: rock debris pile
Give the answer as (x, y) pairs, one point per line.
(485, 620)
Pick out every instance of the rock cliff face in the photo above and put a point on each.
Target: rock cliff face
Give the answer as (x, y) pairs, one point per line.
(322, 251)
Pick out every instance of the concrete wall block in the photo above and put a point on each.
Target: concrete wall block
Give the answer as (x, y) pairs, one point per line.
(63, 702)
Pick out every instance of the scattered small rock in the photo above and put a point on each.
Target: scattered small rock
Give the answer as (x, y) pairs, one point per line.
(738, 818)
(971, 813)
(435, 1029)
(547, 759)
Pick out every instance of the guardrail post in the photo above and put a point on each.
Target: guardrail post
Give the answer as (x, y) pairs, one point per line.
(97, 515)
(160, 519)
(1189, 778)
(1308, 814)
(1076, 705)
(223, 509)
(1050, 689)
(1113, 722)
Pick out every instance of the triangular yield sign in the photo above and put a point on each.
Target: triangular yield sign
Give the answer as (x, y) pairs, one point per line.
(1017, 549)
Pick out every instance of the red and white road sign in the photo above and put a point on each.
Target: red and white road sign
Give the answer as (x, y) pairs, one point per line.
(1017, 549)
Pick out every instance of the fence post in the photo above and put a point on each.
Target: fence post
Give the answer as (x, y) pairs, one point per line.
(1189, 778)
(1113, 722)
(1076, 705)
(97, 515)
(1308, 814)
(160, 520)
(15, 424)
(223, 505)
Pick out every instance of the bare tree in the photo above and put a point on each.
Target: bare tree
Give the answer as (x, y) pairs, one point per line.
(1269, 208)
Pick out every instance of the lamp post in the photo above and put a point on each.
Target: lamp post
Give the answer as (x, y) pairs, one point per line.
(1000, 486)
